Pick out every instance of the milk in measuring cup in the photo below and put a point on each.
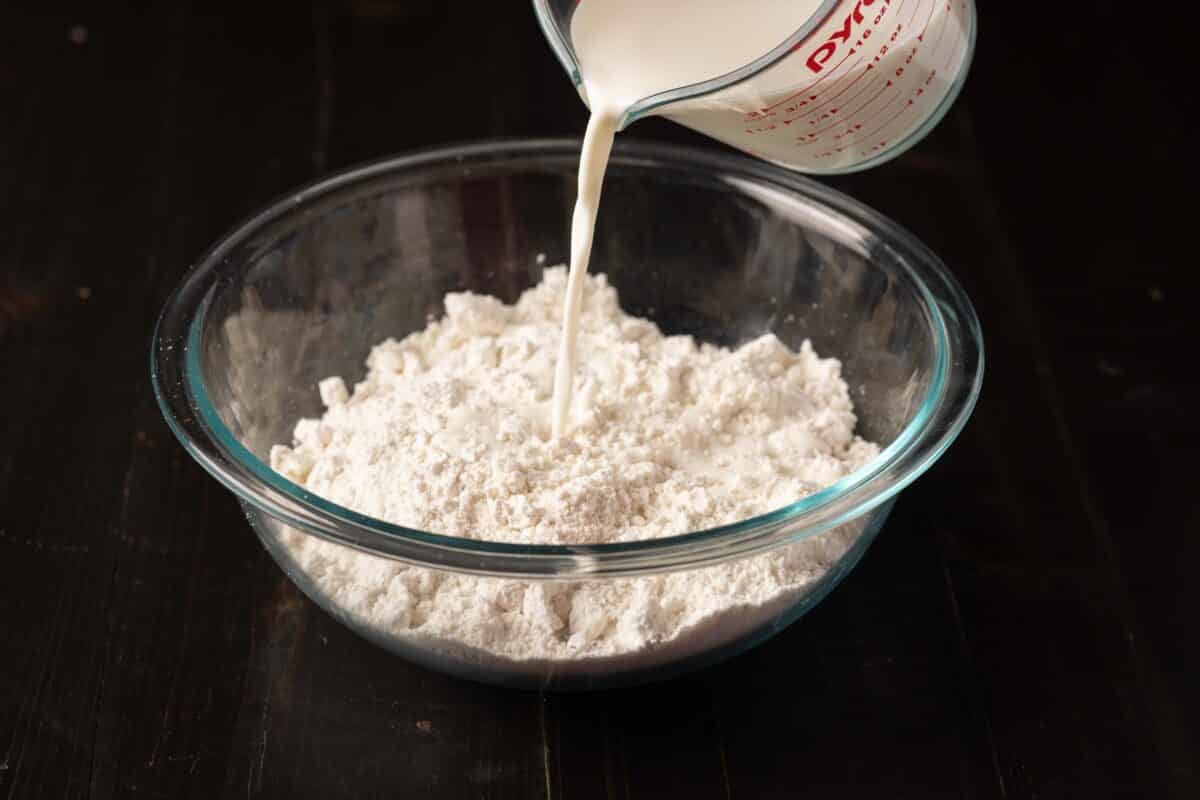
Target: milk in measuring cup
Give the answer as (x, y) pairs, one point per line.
(863, 86)
(864, 80)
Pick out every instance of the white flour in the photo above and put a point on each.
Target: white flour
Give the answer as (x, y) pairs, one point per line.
(451, 433)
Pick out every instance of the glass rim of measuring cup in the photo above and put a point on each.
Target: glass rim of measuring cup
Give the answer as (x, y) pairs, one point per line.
(560, 43)
(179, 384)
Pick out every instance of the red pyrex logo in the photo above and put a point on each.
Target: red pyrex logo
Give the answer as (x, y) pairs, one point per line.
(816, 62)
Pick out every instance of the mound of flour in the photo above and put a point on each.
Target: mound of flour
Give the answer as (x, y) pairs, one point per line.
(450, 433)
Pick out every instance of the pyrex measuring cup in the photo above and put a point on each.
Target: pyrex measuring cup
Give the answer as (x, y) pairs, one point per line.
(859, 83)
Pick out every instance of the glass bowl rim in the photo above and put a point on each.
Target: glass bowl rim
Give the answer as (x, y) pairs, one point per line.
(176, 377)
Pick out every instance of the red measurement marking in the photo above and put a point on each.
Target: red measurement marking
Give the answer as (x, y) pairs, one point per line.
(840, 35)
(888, 106)
(866, 34)
(809, 111)
(953, 53)
(837, 137)
(884, 10)
(925, 29)
(813, 136)
(884, 109)
(892, 119)
(808, 89)
(850, 71)
(916, 10)
(871, 82)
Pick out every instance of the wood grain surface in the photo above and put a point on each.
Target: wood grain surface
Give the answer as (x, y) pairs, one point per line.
(1022, 628)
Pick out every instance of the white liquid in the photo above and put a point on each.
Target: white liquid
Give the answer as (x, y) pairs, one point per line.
(597, 144)
(629, 50)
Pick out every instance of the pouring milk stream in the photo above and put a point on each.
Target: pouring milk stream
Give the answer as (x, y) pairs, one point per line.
(863, 80)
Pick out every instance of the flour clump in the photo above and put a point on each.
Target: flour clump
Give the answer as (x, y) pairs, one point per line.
(450, 432)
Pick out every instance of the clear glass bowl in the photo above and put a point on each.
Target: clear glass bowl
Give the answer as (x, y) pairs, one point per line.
(722, 248)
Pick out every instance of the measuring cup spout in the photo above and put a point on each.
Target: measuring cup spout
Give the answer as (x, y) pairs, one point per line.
(555, 16)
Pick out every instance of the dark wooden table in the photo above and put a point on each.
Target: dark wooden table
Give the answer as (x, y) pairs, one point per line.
(1023, 628)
